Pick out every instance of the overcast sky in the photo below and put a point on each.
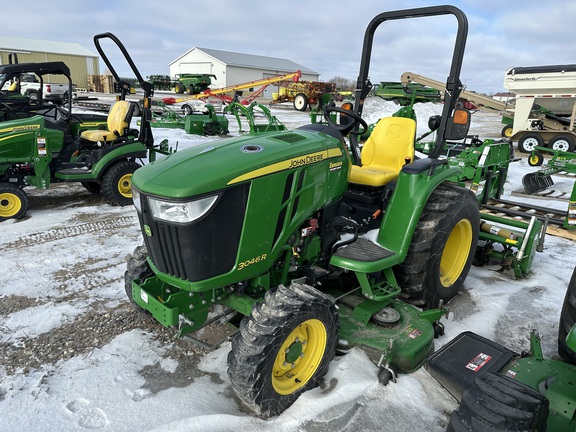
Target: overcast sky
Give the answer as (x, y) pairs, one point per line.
(323, 35)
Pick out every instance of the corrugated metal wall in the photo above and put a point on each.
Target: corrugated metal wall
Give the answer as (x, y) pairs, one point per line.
(80, 66)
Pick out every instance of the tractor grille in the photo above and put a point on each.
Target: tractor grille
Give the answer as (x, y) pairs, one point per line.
(204, 248)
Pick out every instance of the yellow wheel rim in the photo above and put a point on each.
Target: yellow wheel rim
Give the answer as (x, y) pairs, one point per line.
(508, 132)
(534, 159)
(10, 205)
(456, 252)
(125, 185)
(299, 357)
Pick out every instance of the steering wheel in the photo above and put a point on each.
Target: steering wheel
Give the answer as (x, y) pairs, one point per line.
(345, 129)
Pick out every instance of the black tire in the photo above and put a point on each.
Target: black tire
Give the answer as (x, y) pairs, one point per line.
(300, 102)
(567, 321)
(187, 109)
(92, 187)
(507, 131)
(536, 158)
(136, 268)
(13, 202)
(442, 248)
(264, 366)
(527, 143)
(33, 95)
(498, 403)
(562, 143)
(179, 88)
(116, 183)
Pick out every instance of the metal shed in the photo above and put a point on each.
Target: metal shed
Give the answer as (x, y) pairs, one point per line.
(234, 68)
(81, 61)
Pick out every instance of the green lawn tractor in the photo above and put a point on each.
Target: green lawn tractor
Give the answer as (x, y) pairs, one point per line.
(500, 390)
(41, 144)
(312, 245)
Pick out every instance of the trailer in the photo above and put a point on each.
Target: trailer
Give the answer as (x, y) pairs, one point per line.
(529, 121)
(553, 90)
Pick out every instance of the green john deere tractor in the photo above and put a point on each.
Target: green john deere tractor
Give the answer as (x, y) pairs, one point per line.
(500, 390)
(271, 229)
(193, 83)
(43, 143)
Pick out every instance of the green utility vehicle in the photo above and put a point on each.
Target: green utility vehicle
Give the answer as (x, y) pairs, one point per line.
(193, 83)
(41, 144)
(269, 228)
(500, 390)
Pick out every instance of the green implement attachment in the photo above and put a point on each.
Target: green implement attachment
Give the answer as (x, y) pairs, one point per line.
(193, 123)
(252, 113)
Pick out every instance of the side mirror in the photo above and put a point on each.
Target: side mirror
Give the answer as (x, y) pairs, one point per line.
(571, 339)
(458, 124)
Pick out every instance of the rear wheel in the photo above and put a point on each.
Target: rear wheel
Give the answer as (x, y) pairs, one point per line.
(179, 88)
(283, 349)
(567, 321)
(136, 268)
(300, 102)
(528, 142)
(13, 202)
(442, 249)
(498, 403)
(563, 143)
(117, 183)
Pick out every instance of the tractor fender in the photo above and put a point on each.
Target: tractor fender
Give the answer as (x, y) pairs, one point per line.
(135, 150)
(414, 186)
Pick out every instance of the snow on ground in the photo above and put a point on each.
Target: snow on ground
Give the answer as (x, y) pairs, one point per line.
(64, 266)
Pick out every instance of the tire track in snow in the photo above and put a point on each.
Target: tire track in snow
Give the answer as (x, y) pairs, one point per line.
(69, 231)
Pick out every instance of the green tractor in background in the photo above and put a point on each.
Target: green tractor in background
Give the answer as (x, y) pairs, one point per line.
(270, 229)
(43, 143)
(193, 83)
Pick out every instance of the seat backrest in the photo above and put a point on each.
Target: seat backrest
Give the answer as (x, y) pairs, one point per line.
(390, 144)
(119, 117)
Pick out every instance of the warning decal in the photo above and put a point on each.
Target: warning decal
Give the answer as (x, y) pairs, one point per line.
(478, 362)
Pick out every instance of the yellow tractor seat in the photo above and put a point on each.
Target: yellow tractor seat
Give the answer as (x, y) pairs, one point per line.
(389, 147)
(118, 122)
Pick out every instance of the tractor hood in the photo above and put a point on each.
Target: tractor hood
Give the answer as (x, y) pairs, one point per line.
(220, 164)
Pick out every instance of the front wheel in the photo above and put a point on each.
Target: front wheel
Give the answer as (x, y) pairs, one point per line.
(536, 158)
(284, 348)
(13, 202)
(179, 88)
(442, 248)
(137, 268)
(300, 102)
(116, 183)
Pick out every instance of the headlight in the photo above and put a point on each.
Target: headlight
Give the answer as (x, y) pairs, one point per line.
(136, 199)
(181, 212)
